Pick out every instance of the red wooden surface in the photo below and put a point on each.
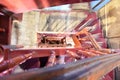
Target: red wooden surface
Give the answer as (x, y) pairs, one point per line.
(19, 6)
(41, 52)
(5, 35)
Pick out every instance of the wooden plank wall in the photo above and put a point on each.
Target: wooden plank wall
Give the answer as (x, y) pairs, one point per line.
(5, 22)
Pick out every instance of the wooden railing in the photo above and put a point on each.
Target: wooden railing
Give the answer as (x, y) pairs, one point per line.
(87, 69)
(84, 64)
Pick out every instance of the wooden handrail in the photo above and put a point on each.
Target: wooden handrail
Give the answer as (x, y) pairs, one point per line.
(11, 63)
(87, 69)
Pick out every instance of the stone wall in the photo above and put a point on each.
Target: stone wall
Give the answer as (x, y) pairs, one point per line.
(59, 21)
(24, 32)
(109, 15)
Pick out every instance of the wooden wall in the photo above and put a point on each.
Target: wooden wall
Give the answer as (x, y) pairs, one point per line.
(4, 29)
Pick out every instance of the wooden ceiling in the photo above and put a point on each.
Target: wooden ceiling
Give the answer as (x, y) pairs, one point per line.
(20, 6)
